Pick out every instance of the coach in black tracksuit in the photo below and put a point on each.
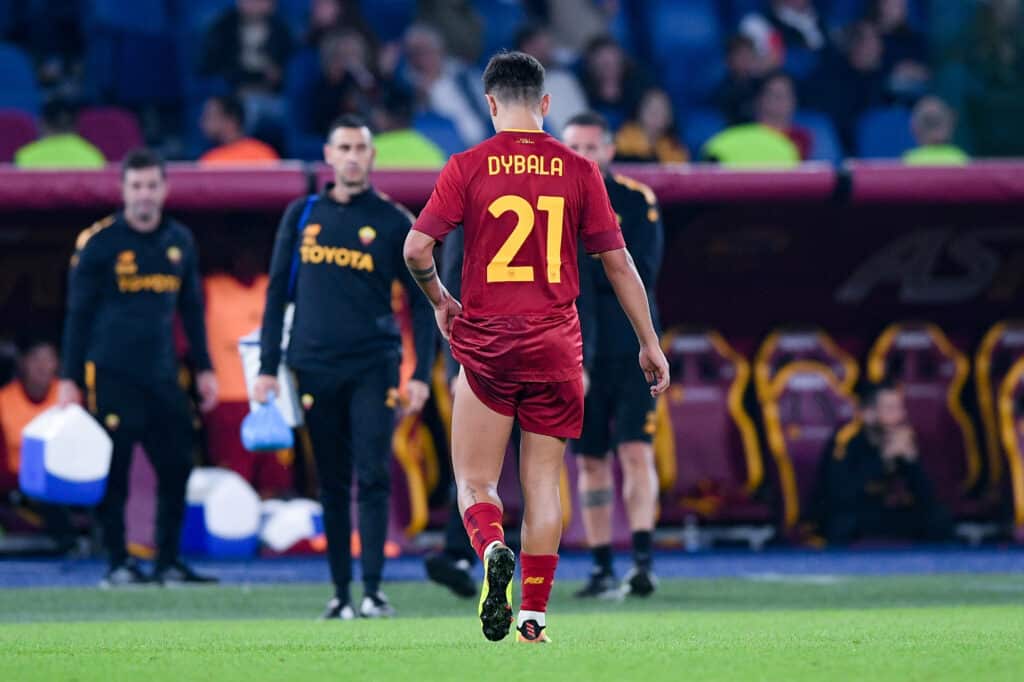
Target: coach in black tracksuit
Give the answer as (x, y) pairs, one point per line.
(340, 252)
(130, 275)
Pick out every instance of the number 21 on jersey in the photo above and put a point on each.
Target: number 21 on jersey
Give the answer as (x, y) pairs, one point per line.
(500, 268)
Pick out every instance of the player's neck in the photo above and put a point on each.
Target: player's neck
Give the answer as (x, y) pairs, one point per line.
(343, 193)
(519, 121)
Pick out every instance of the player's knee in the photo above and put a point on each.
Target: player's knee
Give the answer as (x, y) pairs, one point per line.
(594, 467)
(636, 458)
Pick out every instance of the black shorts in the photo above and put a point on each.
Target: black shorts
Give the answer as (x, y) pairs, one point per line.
(618, 408)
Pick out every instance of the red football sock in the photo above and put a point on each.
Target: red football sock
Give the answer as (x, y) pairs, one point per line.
(483, 524)
(538, 575)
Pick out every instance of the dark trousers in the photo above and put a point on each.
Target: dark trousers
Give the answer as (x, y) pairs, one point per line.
(158, 417)
(350, 422)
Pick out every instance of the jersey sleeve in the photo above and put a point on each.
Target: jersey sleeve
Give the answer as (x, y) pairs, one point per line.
(444, 209)
(599, 228)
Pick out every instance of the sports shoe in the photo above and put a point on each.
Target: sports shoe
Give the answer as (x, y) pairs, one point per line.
(376, 606)
(178, 573)
(639, 582)
(600, 585)
(338, 611)
(531, 632)
(496, 593)
(454, 575)
(125, 574)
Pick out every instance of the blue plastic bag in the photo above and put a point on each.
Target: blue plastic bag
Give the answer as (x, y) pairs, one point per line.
(265, 429)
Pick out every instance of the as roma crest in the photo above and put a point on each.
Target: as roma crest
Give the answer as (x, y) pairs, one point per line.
(367, 234)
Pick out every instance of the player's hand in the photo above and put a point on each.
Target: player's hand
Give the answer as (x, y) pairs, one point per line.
(655, 367)
(417, 392)
(68, 393)
(206, 384)
(265, 384)
(446, 314)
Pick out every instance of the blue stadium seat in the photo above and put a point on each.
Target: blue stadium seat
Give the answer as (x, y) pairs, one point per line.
(884, 133)
(137, 16)
(300, 78)
(826, 145)
(296, 14)
(801, 63)
(502, 19)
(687, 47)
(18, 87)
(842, 13)
(701, 125)
(388, 18)
(440, 130)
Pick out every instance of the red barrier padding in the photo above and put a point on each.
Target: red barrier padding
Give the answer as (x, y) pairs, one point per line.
(982, 182)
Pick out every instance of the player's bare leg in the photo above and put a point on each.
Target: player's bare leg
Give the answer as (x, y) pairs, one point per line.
(596, 490)
(540, 471)
(640, 493)
(479, 440)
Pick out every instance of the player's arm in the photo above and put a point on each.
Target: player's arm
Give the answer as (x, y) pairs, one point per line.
(277, 299)
(84, 282)
(190, 304)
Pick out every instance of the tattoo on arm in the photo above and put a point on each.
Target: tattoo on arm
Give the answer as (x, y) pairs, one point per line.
(596, 498)
(423, 275)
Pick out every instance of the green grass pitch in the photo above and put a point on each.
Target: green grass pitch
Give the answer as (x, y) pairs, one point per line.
(865, 629)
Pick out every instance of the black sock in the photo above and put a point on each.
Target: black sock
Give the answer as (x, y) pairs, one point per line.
(642, 548)
(342, 594)
(603, 558)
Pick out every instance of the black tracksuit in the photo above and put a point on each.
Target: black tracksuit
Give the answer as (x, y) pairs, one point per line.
(125, 288)
(345, 348)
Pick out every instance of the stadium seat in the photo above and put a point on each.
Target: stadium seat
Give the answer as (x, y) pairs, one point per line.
(804, 407)
(1000, 349)
(801, 63)
(18, 88)
(301, 76)
(884, 133)
(501, 20)
(440, 130)
(686, 45)
(137, 16)
(17, 129)
(115, 132)
(706, 446)
(826, 145)
(1011, 427)
(700, 125)
(783, 346)
(388, 18)
(933, 373)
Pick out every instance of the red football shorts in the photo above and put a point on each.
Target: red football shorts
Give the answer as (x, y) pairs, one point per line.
(548, 408)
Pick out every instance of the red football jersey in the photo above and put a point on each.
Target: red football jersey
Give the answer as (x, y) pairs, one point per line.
(524, 200)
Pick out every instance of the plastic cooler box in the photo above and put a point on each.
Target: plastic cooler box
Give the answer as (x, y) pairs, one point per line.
(65, 457)
(222, 516)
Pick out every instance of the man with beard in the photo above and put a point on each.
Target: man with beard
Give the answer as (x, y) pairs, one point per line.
(130, 275)
(336, 255)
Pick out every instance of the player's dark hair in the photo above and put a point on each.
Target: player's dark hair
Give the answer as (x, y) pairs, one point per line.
(232, 107)
(29, 340)
(137, 159)
(514, 77)
(589, 118)
(869, 391)
(346, 121)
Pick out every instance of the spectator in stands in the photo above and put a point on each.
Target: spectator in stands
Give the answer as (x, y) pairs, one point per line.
(856, 83)
(349, 82)
(234, 308)
(398, 144)
(32, 392)
(995, 104)
(59, 146)
(775, 107)
(904, 50)
(458, 24)
(329, 16)
(751, 145)
(933, 123)
(443, 85)
(734, 96)
(789, 24)
(575, 23)
(612, 83)
(652, 136)
(567, 96)
(56, 40)
(223, 123)
(872, 482)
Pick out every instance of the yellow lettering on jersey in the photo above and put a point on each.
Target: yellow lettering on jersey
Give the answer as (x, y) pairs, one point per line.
(525, 164)
(158, 284)
(341, 257)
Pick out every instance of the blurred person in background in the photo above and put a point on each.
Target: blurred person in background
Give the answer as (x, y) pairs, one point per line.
(443, 85)
(349, 82)
(612, 83)
(575, 23)
(871, 481)
(651, 137)
(398, 144)
(131, 275)
(59, 146)
(744, 67)
(995, 99)
(775, 107)
(223, 124)
(788, 24)
(933, 123)
(904, 50)
(328, 16)
(457, 23)
(567, 96)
